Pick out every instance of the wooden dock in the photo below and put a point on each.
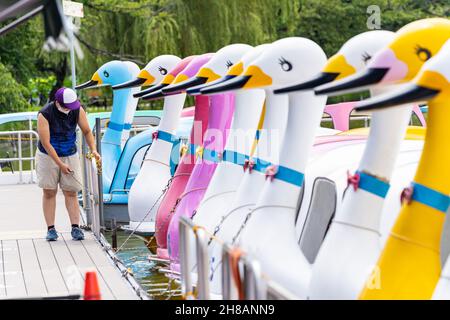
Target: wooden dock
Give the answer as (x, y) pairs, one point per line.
(32, 267)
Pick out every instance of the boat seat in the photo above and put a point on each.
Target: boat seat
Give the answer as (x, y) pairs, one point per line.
(300, 201)
(445, 239)
(320, 213)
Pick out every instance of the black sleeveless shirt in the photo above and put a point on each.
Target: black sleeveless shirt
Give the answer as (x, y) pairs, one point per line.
(62, 129)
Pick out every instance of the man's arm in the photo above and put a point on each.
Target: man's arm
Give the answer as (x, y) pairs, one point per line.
(44, 137)
(84, 126)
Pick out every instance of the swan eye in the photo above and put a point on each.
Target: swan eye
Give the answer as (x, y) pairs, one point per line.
(162, 70)
(106, 74)
(229, 64)
(423, 53)
(285, 65)
(366, 57)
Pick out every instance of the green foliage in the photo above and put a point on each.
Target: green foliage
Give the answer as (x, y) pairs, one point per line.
(18, 50)
(12, 94)
(40, 87)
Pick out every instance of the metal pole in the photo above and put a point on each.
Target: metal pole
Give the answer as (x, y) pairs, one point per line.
(186, 284)
(30, 127)
(98, 139)
(85, 191)
(72, 59)
(226, 274)
(20, 20)
(114, 233)
(19, 136)
(202, 264)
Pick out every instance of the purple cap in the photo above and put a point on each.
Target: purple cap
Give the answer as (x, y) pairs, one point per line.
(67, 98)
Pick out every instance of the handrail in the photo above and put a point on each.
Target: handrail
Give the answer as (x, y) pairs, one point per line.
(20, 158)
(258, 287)
(186, 226)
(226, 273)
(202, 263)
(187, 289)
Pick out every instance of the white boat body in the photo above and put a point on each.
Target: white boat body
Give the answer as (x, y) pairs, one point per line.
(147, 190)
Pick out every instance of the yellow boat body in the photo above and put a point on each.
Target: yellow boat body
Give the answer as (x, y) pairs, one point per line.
(409, 265)
(412, 132)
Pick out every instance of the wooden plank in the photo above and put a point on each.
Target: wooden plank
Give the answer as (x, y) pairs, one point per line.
(85, 263)
(32, 274)
(119, 287)
(50, 271)
(2, 274)
(15, 284)
(68, 268)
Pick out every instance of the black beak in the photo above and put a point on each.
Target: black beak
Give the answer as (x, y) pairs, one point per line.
(130, 84)
(184, 85)
(409, 94)
(193, 91)
(88, 84)
(321, 78)
(154, 95)
(149, 90)
(356, 82)
(228, 85)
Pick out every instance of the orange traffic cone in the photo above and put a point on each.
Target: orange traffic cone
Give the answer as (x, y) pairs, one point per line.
(91, 287)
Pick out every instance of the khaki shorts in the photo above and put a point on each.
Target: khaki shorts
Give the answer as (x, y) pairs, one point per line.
(49, 175)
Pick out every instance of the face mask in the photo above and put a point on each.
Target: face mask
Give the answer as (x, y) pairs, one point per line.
(63, 110)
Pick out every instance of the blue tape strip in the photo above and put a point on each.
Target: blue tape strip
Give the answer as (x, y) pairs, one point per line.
(372, 184)
(175, 156)
(260, 165)
(127, 126)
(290, 176)
(258, 134)
(211, 155)
(430, 197)
(115, 126)
(235, 157)
(166, 136)
(192, 148)
(175, 152)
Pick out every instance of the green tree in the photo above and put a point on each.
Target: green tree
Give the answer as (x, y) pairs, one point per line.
(12, 93)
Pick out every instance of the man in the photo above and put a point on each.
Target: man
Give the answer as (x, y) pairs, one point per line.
(57, 160)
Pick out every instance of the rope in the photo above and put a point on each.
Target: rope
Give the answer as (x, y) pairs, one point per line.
(234, 256)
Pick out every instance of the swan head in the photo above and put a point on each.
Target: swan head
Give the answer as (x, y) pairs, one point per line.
(431, 84)
(167, 79)
(235, 70)
(218, 66)
(112, 73)
(284, 62)
(400, 60)
(352, 57)
(183, 80)
(152, 73)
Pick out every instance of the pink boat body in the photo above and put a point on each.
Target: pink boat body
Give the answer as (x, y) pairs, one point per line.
(220, 116)
(187, 162)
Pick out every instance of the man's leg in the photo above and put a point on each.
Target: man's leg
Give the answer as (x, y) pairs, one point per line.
(71, 200)
(49, 206)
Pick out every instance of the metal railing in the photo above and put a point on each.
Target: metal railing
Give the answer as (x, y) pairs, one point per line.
(20, 135)
(187, 229)
(254, 284)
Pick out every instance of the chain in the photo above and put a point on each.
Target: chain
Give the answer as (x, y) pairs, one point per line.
(146, 215)
(233, 241)
(172, 211)
(216, 229)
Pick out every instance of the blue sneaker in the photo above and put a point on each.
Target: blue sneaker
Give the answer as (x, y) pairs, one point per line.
(77, 234)
(52, 235)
